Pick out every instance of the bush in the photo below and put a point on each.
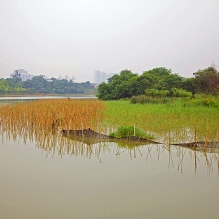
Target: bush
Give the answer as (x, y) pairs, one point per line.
(147, 99)
(181, 93)
(123, 131)
(167, 93)
(208, 101)
(157, 93)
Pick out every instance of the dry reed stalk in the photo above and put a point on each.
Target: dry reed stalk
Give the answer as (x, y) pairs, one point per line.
(195, 139)
(218, 134)
(30, 119)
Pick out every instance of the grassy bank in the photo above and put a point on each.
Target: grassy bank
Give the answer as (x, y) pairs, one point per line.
(179, 120)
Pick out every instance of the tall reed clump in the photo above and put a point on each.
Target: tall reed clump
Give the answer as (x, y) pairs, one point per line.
(44, 116)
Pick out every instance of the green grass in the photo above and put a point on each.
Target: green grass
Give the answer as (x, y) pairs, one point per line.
(127, 131)
(180, 120)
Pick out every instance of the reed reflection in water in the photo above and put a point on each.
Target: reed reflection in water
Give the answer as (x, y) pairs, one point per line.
(133, 179)
(53, 144)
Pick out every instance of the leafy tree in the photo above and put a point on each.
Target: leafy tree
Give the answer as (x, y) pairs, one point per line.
(207, 80)
(39, 84)
(105, 91)
(118, 86)
(3, 86)
(190, 85)
(10, 82)
(145, 81)
(127, 84)
(159, 72)
(17, 77)
(161, 79)
(170, 82)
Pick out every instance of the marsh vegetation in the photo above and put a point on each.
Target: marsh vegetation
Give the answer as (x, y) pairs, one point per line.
(177, 121)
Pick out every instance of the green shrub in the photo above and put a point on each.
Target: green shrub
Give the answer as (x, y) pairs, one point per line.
(181, 93)
(167, 93)
(127, 131)
(157, 93)
(147, 99)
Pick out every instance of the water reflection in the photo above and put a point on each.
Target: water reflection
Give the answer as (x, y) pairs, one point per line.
(88, 148)
(175, 156)
(12, 100)
(4, 102)
(207, 156)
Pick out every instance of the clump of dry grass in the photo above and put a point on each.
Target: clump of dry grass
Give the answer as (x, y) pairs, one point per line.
(43, 116)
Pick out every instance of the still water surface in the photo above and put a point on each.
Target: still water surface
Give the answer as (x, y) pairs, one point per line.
(106, 180)
(11, 100)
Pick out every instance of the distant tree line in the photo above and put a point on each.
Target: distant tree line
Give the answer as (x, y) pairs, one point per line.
(39, 84)
(128, 84)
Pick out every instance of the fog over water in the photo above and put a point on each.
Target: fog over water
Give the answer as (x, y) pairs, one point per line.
(74, 38)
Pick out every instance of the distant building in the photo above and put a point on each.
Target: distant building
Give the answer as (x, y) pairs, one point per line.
(100, 77)
(23, 74)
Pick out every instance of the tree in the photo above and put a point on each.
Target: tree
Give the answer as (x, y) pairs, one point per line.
(39, 84)
(161, 79)
(127, 84)
(170, 82)
(190, 85)
(207, 80)
(104, 92)
(17, 77)
(118, 86)
(3, 86)
(159, 72)
(144, 82)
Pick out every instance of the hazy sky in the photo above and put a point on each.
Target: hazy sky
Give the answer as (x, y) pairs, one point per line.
(77, 37)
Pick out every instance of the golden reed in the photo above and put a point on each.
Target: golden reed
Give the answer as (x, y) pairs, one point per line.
(45, 116)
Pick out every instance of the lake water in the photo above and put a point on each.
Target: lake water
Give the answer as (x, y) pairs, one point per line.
(11, 100)
(105, 180)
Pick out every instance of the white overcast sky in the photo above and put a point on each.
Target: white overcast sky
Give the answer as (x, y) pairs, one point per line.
(76, 37)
